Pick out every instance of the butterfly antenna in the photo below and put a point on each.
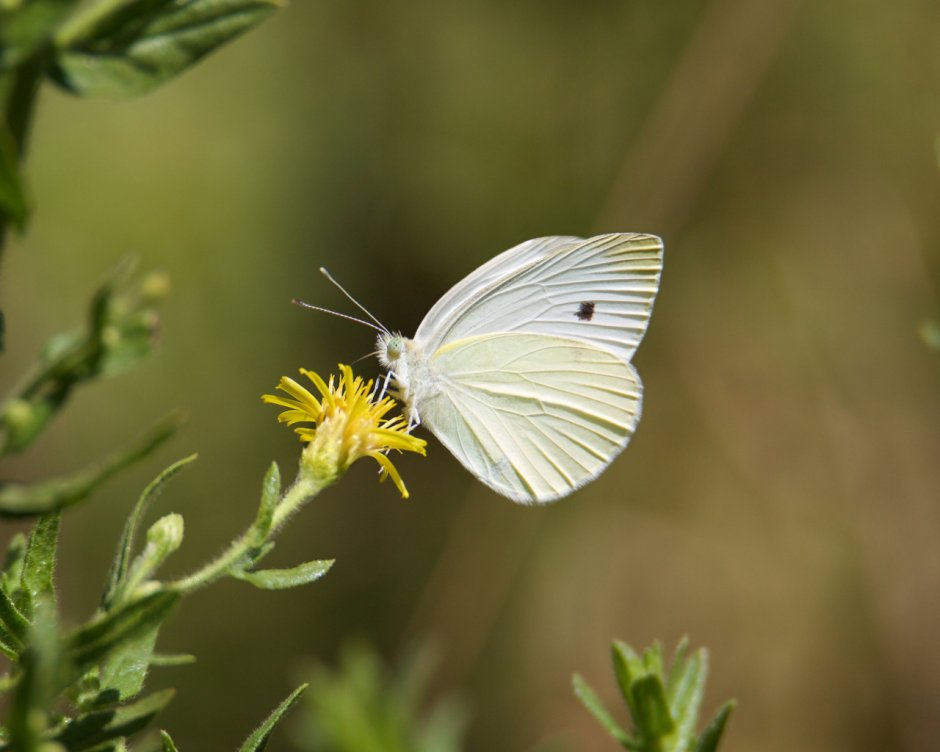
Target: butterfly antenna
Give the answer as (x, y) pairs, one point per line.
(355, 302)
(341, 315)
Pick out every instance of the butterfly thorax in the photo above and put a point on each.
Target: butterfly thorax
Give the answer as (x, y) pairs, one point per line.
(411, 375)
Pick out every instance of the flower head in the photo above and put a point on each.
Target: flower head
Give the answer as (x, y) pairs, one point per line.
(346, 424)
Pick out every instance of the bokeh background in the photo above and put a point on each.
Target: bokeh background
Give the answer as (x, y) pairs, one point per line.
(780, 502)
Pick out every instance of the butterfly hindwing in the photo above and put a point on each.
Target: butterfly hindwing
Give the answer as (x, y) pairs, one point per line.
(533, 416)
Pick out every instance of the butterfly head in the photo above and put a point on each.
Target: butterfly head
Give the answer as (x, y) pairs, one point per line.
(390, 348)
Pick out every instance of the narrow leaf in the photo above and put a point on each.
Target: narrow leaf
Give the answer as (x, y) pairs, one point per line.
(105, 725)
(626, 667)
(595, 707)
(708, 741)
(171, 659)
(281, 579)
(679, 658)
(270, 496)
(18, 500)
(122, 556)
(258, 739)
(652, 717)
(686, 695)
(154, 47)
(39, 682)
(91, 642)
(166, 742)
(13, 624)
(37, 578)
(13, 563)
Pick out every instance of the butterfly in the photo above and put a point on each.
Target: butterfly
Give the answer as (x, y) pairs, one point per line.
(522, 369)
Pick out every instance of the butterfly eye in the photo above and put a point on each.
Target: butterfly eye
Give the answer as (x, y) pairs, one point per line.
(393, 348)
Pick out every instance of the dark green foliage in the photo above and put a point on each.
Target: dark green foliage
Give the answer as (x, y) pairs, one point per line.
(364, 707)
(663, 709)
(81, 688)
(122, 323)
(135, 48)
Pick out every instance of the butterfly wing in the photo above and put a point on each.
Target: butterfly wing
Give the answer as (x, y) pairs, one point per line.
(531, 415)
(599, 290)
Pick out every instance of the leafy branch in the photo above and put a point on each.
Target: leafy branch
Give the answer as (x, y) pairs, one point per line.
(114, 48)
(663, 707)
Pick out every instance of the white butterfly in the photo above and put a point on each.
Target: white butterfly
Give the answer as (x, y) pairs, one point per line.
(522, 370)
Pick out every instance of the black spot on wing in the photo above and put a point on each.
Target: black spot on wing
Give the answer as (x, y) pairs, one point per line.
(585, 311)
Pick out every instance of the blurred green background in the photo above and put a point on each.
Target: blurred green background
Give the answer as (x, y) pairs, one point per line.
(780, 502)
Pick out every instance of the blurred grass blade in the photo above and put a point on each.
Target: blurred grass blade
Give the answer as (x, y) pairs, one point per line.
(24, 500)
(595, 707)
(708, 741)
(102, 726)
(127, 59)
(258, 739)
(282, 579)
(92, 642)
(122, 557)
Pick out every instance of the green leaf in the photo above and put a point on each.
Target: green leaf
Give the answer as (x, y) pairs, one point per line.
(39, 682)
(109, 724)
(13, 624)
(166, 742)
(258, 739)
(132, 57)
(270, 496)
(37, 578)
(13, 205)
(52, 495)
(627, 665)
(13, 563)
(595, 707)
(652, 717)
(708, 741)
(686, 691)
(126, 667)
(281, 579)
(27, 26)
(122, 556)
(92, 642)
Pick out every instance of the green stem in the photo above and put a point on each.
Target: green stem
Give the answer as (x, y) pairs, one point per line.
(19, 98)
(303, 489)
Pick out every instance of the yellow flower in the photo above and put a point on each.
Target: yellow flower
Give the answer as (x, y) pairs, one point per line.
(346, 425)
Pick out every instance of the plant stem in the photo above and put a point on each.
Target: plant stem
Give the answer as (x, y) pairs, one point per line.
(303, 489)
(19, 98)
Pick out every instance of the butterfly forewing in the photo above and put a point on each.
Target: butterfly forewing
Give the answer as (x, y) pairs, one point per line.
(599, 290)
(533, 416)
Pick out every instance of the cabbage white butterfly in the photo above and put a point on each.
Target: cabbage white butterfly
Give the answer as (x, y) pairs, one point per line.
(522, 369)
